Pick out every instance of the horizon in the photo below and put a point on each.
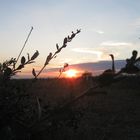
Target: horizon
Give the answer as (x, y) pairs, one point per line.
(96, 68)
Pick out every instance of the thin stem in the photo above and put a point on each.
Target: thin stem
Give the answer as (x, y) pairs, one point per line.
(40, 71)
(59, 75)
(24, 44)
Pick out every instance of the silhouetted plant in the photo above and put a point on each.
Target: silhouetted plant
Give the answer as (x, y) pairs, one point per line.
(22, 109)
(63, 69)
(108, 75)
(9, 68)
(54, 55)
(132, 64)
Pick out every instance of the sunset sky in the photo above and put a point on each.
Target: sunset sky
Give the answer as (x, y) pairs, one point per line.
(108, 26)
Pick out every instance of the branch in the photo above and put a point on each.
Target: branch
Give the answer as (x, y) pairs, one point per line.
(64, 45)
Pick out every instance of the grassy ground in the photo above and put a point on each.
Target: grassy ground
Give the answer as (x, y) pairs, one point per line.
(107, 113)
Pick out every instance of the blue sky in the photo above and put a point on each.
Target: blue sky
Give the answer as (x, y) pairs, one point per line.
(108, 26)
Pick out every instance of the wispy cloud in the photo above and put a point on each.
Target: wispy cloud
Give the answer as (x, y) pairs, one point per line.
(120, 49)
(88, 51)
(100, 32)
(112, 43)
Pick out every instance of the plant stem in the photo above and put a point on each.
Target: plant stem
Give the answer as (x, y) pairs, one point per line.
(40, 71)
(24, 44)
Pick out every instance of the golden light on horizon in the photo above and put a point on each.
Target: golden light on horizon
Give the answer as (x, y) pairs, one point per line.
(71, 73)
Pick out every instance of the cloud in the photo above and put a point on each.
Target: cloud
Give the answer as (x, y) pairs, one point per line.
(100, 32)
(88, 51)
(120, 49)
(112, 43)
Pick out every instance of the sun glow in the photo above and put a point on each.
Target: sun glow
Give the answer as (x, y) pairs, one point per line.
(71, 73)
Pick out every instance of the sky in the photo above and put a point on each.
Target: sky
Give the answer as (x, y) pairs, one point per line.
(107, 26)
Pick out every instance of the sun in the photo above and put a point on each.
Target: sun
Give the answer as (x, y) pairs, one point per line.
(71, 73)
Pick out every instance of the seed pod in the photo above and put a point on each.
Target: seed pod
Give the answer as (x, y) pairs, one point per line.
(35, 55)
(23, 60)
(66, 65)
(33, 72)
(28, 56)
(49, 57)
(65, 41)
(57, 46)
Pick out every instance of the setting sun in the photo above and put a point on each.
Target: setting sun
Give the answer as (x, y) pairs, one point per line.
(71, 73)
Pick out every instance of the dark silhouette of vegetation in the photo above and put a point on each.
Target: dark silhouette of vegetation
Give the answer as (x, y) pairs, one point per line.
(9, 68)
(87, 75)
(63, 69)
(58, 50)
(130, 66)
(108, 75)
(21, 112)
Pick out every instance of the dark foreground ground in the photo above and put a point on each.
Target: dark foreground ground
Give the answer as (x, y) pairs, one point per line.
(107, 113)
(114, 115)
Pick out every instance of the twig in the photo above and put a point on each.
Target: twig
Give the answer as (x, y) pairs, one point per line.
(51, 55)
(24, 45)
